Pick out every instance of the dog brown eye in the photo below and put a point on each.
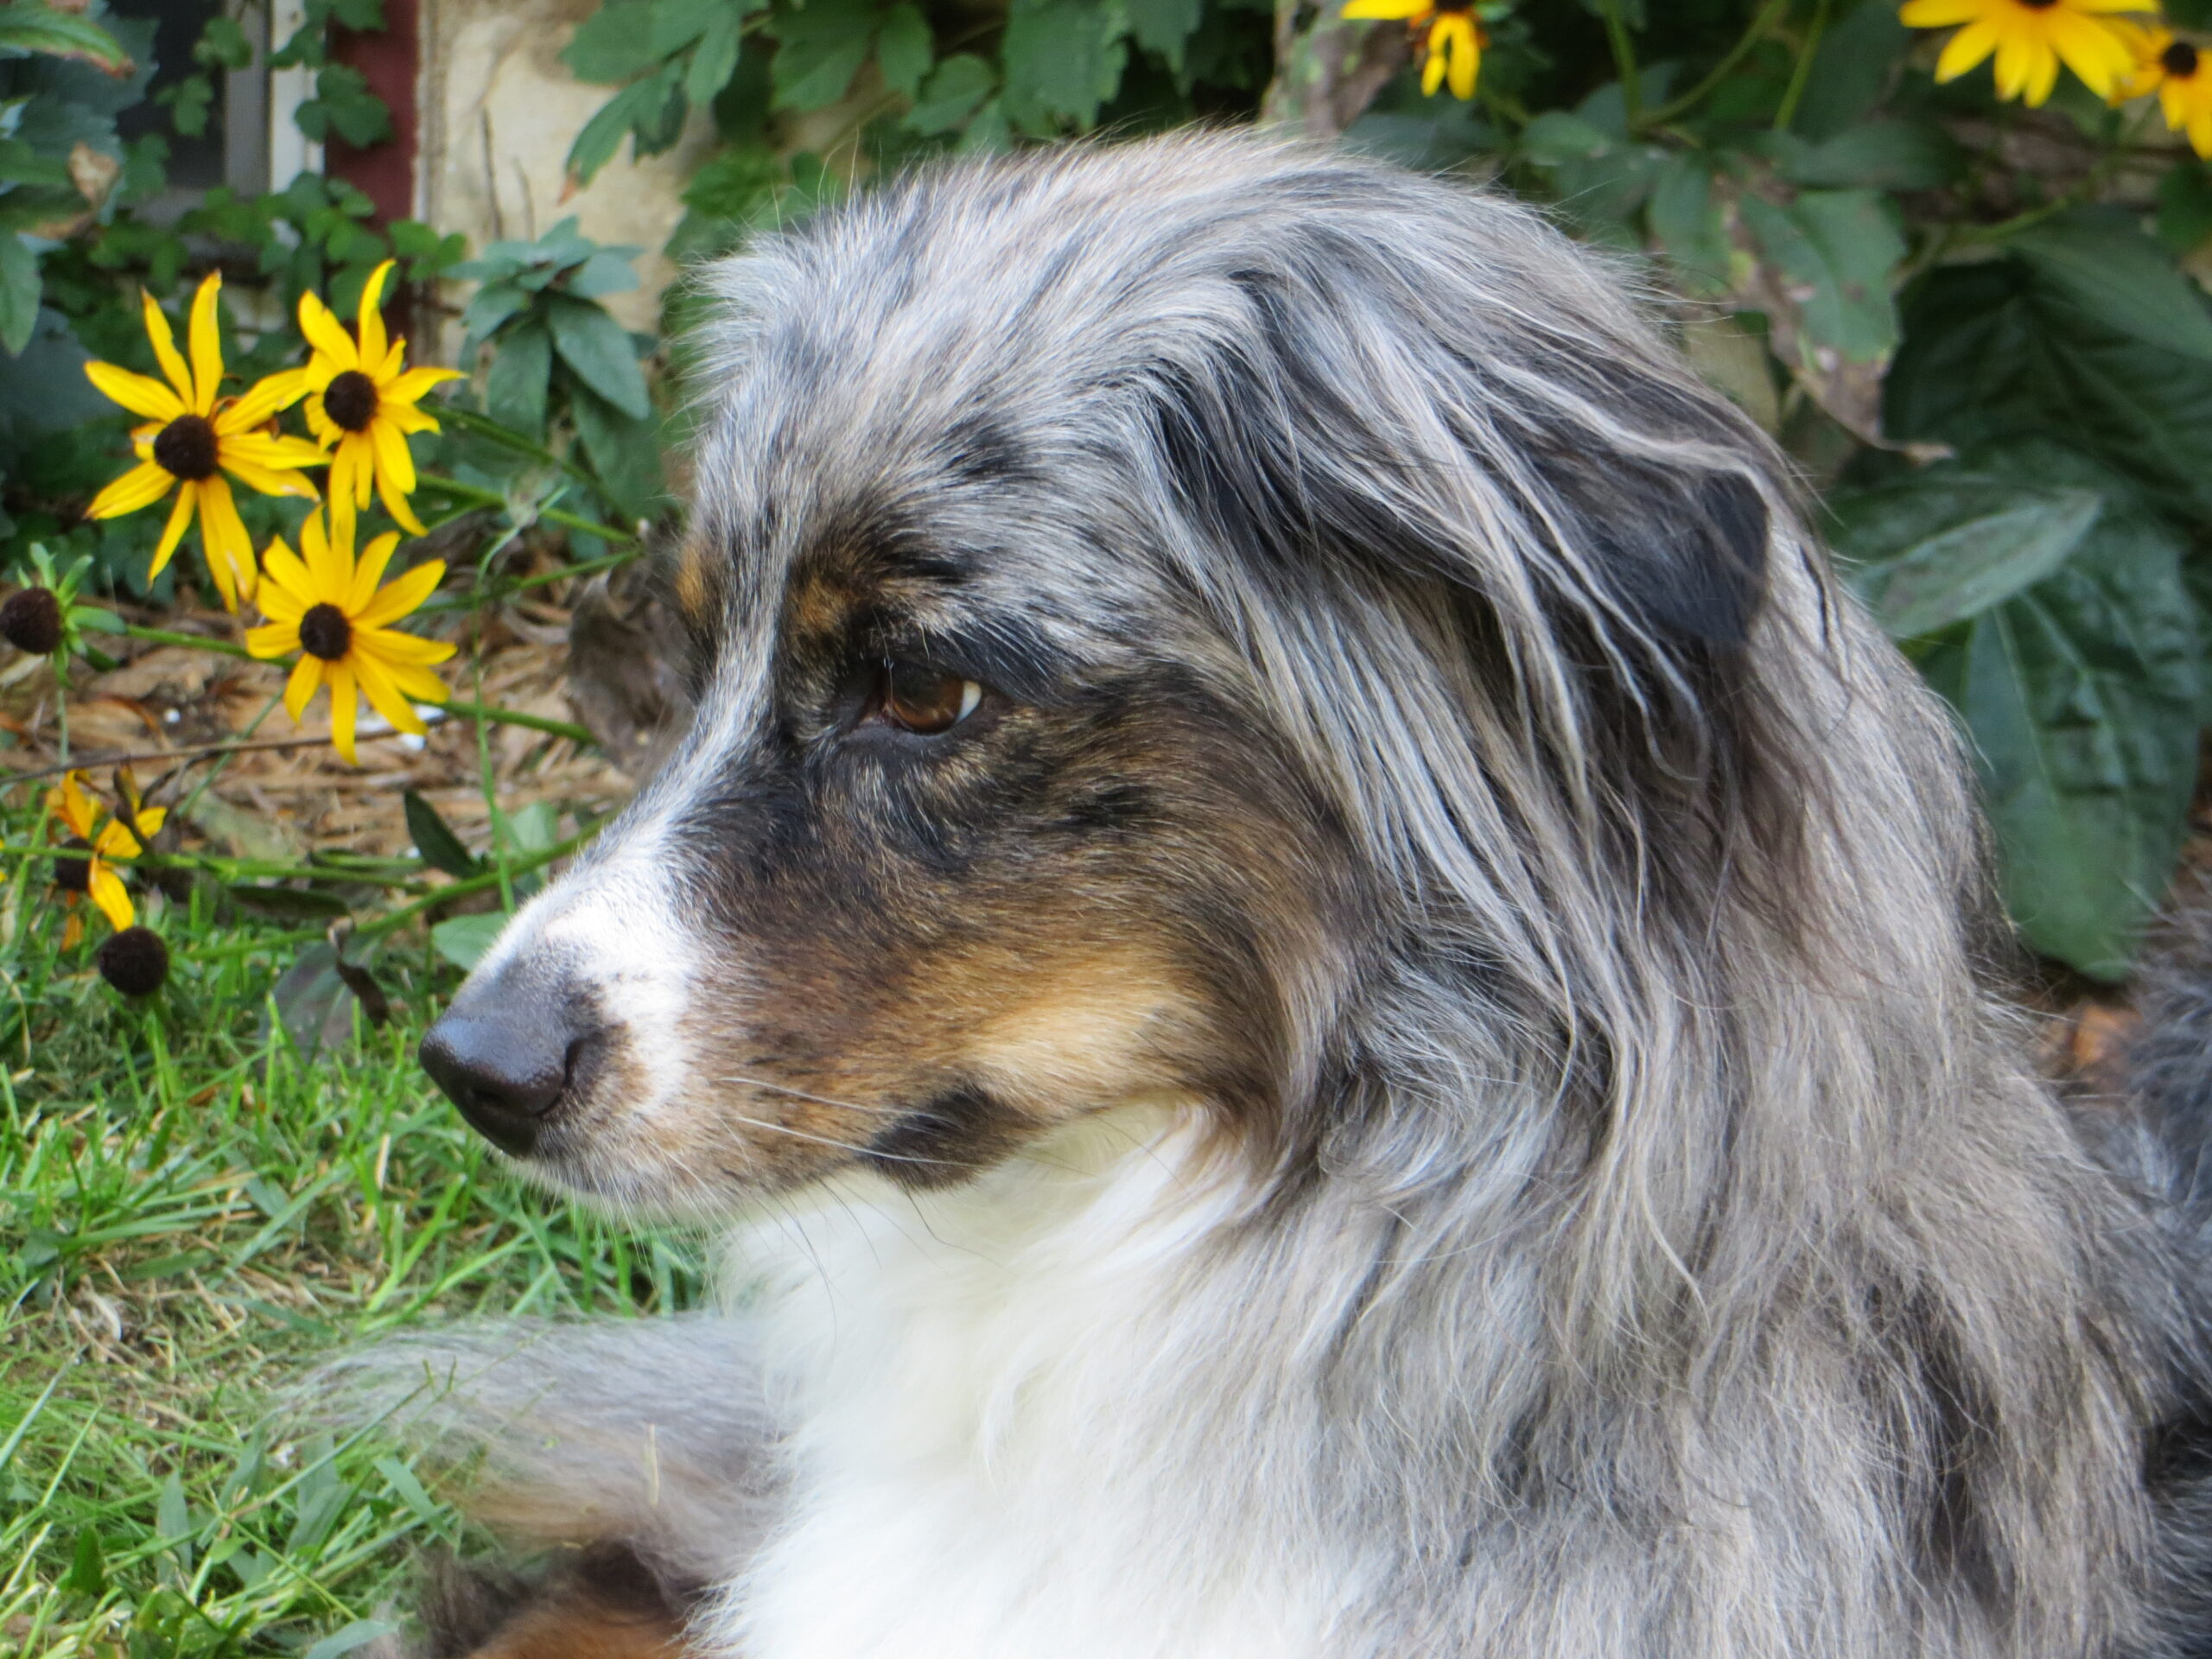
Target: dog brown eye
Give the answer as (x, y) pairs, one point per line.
(926, 700)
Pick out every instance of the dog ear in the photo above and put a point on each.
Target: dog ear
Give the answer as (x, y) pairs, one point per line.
(1292, 444)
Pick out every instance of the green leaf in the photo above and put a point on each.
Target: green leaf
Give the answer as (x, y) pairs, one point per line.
(736, 182)
(625, 453)
(904, 49)
(1165, 26)
(608, 272)
(19, 292)
(408, 1490)
(613, 44)
(819, 50)
(1064, 58)
(434, 838)
(1883, 155)
(2185, 208)
(2081, 697)
(173, 1520)
(1555, 138)
(1684, 218)
(1858, 60)
(1842, 247)
(1996, 349)
(713, 60)
(463, 940)
(87, 1574)
(952, 94)
(598, 349)
(357, 1635)
(514, 391)
(30, 27)
(639, 106)
(2121, 279)
(1945, 544)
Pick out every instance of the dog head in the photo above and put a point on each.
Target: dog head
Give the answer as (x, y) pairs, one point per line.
(1149, 606)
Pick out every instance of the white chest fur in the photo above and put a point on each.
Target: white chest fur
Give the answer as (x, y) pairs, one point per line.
(999, 1450)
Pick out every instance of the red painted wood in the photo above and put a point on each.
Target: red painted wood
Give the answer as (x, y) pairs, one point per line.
(388, 60)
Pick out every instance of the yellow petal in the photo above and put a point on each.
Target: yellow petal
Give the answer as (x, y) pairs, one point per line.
(1432, 70)
(385, 696)
(412, 385)
(289, 590)
(276, 638)
(223, 538)
(73, 806)
(116, 842)
(370, 326)
(375, 559)
(261, 478)
(1965, 49)
(300, 687)
(173, 532)
(327, 431)
(330, 561)
(1386, 10)
(1940, 14)
(343, 708)
(419, 683)
(265, 451)
(393, 646)
(404, 594)
(141, 486)
(107, 891)
(149, 822)
(328, 335)
(207, 344)
(165, 352)
(268, 395)
(396, 504)
(393, 461)
(139, 393)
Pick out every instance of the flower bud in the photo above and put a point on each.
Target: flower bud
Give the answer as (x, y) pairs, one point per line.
(31, 621)
(135, 960)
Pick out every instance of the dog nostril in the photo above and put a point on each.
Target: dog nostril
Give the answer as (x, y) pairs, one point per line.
(505, 1071)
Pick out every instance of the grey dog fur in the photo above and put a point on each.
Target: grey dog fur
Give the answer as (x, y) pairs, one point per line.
(1668, 1163)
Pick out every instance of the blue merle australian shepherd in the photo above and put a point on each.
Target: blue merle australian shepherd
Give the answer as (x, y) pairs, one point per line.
(1335, 999)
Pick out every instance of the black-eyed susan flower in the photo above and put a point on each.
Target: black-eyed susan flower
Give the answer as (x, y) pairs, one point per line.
(1453, 39)
(331, 610)
(87, 862)
(2181, 74)
(2031, 39)
(196, 436)
(361, 403)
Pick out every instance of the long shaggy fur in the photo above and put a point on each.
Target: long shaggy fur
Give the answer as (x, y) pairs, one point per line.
(1640, 1234)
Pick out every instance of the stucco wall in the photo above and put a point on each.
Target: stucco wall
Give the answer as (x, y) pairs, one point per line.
(499, 112)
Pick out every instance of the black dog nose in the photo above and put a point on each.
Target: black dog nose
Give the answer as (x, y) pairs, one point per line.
(505, 1059)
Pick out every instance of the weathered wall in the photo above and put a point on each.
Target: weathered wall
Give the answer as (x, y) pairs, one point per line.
(498, 113)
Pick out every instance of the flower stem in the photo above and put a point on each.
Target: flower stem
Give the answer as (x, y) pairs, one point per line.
(1623, 63)
(1802, 72)
(1766, 18)
(551, 515)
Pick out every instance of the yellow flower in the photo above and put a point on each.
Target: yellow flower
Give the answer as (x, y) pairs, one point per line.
(1453, 52)
(124, 837)
(361, 401)
(195, 437)
(332, 611)
(2032, 38)
(2181, 74)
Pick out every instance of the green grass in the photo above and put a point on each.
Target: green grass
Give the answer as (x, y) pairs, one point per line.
(191, 1208)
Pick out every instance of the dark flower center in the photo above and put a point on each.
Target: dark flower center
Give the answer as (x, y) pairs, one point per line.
(186, 448)
(74, 875)
(325, 633)
(350, 399)
(31, 621)
(135, 960)
(2178, 59)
